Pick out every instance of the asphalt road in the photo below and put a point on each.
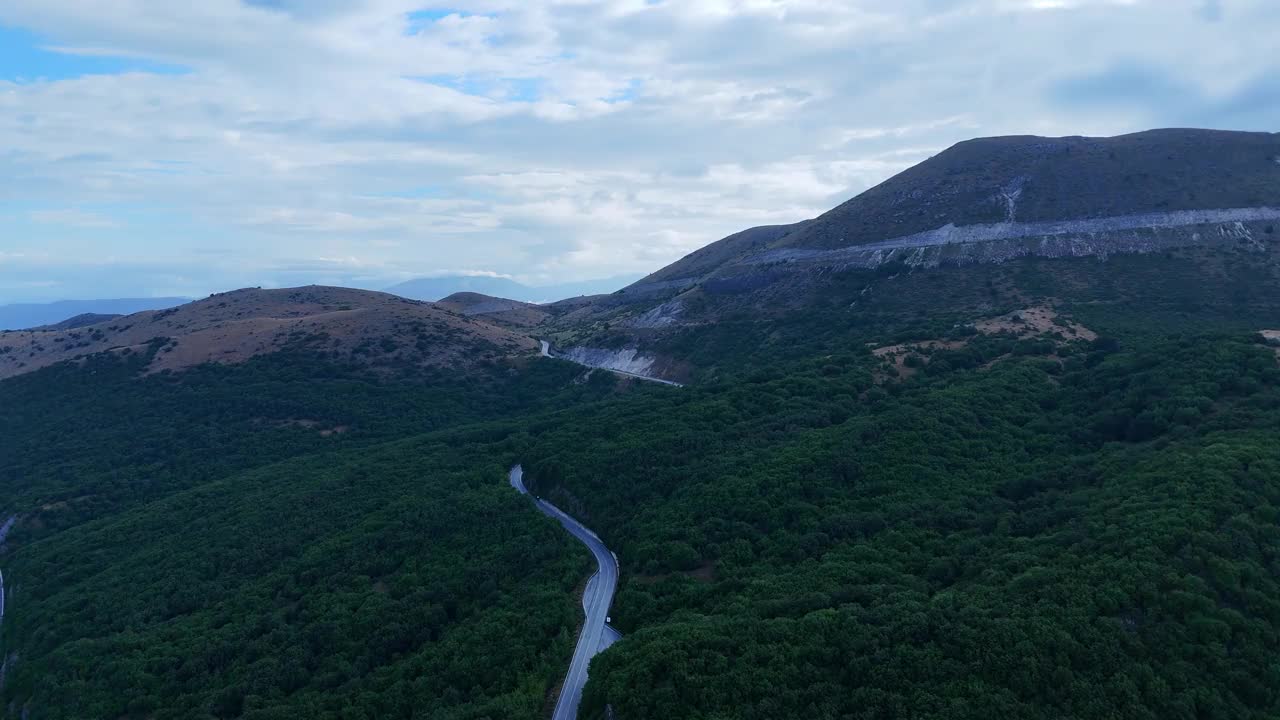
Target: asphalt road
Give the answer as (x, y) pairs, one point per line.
(596, 635)
(4, 533)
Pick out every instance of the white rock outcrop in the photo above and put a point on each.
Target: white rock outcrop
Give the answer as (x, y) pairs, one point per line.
(627, 360)
(999, 242)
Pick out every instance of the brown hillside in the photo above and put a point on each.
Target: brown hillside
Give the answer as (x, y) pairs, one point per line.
(372, 328)
(500, 311)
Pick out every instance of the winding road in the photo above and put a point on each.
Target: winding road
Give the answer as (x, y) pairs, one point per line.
(596, 635)
(4, 533)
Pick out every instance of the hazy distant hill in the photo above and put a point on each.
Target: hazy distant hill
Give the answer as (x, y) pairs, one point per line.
(22, 316)
(500, 311)
(432, 289)
(78, 321)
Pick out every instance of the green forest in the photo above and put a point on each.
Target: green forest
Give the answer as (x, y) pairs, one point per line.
(1021, 527)
(210, 542)
(1092, 539)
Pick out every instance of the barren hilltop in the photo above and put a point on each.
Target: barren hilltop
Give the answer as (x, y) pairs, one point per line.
(357, 326)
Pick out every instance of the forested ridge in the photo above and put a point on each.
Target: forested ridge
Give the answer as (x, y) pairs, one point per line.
(89, 440)
(188, 547)
(396, 582)
(1093, 539)
(1009, 523)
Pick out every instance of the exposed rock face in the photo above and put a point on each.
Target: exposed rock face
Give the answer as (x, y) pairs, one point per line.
(664, 315)
(1000, 242)
(627, 360)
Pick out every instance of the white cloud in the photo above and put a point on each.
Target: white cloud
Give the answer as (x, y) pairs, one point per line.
(535, 138)
(73, 218)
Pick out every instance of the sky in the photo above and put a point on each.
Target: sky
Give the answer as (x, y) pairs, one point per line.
(159, 148)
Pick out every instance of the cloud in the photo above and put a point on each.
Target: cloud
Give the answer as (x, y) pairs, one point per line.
(73, 218)
(1125, 84)
(548, 138)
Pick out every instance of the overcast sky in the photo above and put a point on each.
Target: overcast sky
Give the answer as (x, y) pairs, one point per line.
(153, 147)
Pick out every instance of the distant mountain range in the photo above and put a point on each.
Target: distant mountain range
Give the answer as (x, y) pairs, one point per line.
(438, 288)
(26, 316)
(30, 315)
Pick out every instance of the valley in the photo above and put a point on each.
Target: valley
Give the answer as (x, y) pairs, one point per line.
(994, 438)
(594, 635)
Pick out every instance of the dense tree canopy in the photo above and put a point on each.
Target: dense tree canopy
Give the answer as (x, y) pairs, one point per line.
(211, 545)
(1011, 524)
(1092, 538)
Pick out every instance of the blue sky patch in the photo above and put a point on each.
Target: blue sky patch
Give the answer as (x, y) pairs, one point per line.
(511, 89)
(426, 192)
(627, 94)
(25, 56)
(420, 19)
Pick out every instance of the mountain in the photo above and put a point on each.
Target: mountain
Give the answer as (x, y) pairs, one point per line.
(705, 260)
(356, 326)
(1027, 180)
(432, 289)
(29, 315)
(992, 199)
(78, 321)
(1026, 216)
(996, 438)
(494, 309)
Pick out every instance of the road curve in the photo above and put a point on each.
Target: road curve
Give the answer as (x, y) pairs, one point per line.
(596, 635)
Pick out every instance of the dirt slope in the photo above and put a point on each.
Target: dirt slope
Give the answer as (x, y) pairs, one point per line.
(372, 328)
